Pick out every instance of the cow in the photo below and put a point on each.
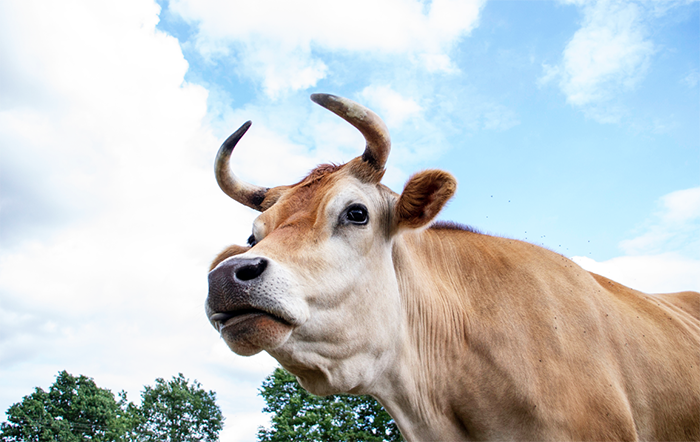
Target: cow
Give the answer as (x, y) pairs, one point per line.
(460, 335)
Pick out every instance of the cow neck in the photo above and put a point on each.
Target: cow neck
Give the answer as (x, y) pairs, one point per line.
(434, 333)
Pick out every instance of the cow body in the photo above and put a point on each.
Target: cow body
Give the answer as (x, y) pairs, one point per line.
(460, 335)
(512, 341)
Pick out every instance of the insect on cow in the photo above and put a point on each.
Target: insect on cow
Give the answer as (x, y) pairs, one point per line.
(460, 335)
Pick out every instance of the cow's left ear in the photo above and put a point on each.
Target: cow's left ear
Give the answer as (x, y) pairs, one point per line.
(423, 197)
(227, 253)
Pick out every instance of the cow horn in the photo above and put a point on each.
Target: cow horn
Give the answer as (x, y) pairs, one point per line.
(245, 193)
(367, 122)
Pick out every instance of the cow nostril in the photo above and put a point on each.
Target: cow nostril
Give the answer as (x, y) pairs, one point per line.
(252, 270)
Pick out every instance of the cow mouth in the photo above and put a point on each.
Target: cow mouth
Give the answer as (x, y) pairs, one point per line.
(249, 330)
(236, 317)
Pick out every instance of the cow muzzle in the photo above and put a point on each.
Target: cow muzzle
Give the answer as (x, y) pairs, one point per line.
(249, 306)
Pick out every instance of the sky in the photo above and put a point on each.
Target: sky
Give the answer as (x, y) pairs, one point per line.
(571, 124)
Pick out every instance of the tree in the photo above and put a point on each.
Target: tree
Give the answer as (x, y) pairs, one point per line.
(74, 409)
(300, 416)
(176, 411)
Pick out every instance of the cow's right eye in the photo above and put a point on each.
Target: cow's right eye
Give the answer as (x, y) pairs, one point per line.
(357, 214)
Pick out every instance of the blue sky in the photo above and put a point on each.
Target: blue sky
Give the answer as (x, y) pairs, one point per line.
(497, 119)
(571, 124)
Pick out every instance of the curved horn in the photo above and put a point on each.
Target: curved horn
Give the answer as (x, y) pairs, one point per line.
(245, 193)
(367, 122)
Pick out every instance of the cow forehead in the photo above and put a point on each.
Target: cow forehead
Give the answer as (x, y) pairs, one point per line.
(325, 191)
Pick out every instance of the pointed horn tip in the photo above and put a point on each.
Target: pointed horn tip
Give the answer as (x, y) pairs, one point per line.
(345, 108)
(244, 127)
(323, 98)
(233, 139)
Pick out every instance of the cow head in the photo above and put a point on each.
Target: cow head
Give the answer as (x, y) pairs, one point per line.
(317, 287)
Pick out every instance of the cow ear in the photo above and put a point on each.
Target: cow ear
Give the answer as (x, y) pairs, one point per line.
(423, 197)
(227, 253)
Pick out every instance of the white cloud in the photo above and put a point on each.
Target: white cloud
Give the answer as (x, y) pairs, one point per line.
(682, 206)
(279, 43)
(100, 131)
(665, 255)
(676, 225)
(280, 68)
(610, 53)
(662, 273)
(439, 63)
(364, 25)
(394, 108)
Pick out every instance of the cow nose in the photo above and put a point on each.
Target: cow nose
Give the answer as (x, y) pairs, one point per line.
(229, 286)
(238, 270)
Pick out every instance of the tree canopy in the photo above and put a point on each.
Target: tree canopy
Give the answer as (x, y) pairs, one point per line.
(176, 411)
(297, 415)
(76, 409)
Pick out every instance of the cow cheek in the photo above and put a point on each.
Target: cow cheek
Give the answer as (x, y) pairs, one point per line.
(255, 335)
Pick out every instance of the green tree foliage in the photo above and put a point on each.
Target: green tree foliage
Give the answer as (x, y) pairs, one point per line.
(176, 411)
(74, 409)
(300, 416)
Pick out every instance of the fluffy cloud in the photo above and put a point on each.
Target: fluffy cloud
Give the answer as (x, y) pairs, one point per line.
(682, 206)
(609, 51)
(272, 37)
(609, 54)
(665, 255)
(394, 108)
(675, 226)
(662, 273)
(100, 132)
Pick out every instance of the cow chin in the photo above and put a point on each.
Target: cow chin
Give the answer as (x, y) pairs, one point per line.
(255, 333)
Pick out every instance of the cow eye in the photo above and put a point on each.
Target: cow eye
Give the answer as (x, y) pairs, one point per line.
(251, 240)
(357, 214)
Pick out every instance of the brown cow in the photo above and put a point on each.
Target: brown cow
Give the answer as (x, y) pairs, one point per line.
(460, 335)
